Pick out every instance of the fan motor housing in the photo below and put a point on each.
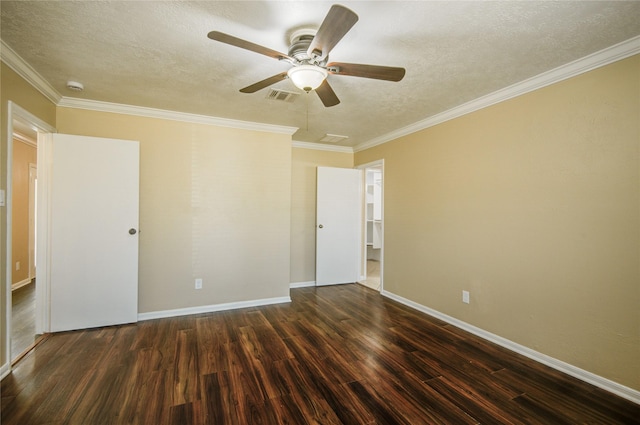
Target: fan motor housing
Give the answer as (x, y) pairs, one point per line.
(300, 41)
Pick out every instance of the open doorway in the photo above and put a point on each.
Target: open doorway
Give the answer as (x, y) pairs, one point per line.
(373, 228)
(23, 210)
(23, 299)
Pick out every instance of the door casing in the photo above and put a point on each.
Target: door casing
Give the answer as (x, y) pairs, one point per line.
(15, 112)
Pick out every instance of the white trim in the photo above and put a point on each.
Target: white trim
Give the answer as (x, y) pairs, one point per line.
(23, 69)
(591, 378)
(5, 370)
(33, 215)
(117, 108)
(373, 164)
(321, 147)
(20, 284)
(16, 112)
(23, 139)
(211, 308)
(294, 285)
(9, 234)
(595, 60)
(43, 237)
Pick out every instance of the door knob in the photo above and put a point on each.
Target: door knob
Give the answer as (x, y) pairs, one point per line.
(132, 231)
(321, 226)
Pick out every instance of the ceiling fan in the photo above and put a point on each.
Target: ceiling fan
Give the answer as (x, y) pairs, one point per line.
(309, 54)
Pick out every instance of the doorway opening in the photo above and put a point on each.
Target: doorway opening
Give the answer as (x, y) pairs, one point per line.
(23, 210)
(23, 298)
(373, 225)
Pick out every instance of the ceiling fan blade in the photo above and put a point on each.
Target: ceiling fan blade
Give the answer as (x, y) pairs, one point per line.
(265, 83)
(327, 95)
(336, 24)
(377, 72)
(244, 44)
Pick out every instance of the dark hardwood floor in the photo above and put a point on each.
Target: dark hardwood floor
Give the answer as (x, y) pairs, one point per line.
(23, 318)
(340, 354)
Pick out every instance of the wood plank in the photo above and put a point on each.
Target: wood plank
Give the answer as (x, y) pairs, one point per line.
(211, 341)
(485, 408)
(292, 377)
(186, 377)
(218, 399)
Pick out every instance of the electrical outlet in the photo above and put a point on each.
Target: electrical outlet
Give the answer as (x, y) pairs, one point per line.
(198, 283)
(465, 297)
(17, 265)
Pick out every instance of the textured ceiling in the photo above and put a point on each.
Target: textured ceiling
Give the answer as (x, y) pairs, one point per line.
(157, 54)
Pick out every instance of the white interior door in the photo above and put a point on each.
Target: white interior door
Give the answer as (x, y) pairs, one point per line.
(93, 232)
(338, 225)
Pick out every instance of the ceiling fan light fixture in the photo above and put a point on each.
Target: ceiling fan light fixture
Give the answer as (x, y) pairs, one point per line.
(307, 77)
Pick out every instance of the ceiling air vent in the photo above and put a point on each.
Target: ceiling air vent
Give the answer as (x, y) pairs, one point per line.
(332, 138)
(281, 95)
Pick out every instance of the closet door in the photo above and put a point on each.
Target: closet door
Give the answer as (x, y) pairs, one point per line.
(92, 232)
(338, 225)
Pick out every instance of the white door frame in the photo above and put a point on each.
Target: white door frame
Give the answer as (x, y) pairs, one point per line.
(33, 170)
(379, 164)
(21, 114)
(43, 237)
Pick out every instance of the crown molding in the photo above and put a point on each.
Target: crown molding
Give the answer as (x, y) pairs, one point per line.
(598, 59)
(603, 57)
(117, 108)
(321, 147)
(23, 69)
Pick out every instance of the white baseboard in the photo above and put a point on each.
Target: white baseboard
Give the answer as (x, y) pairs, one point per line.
(591, 378)
(211, 308)
(5, 369)
(293, 285)
(20, 284)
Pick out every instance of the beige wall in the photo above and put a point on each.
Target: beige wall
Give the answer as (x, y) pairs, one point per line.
(17, 90)
(23, 155)
(215, 203)
(303, 207)
(532, 205)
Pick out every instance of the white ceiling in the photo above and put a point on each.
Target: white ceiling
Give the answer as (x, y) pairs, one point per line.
(157, 54)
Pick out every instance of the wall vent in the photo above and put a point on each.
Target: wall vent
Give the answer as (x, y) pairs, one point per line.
(282, 95)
